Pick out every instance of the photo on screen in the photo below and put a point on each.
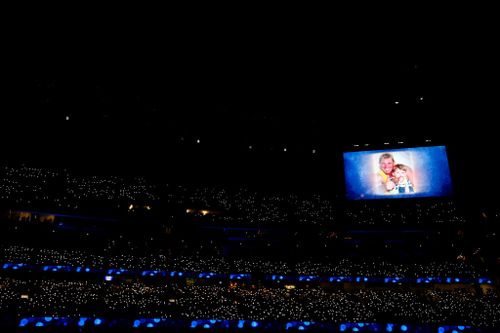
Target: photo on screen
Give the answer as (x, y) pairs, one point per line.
(397, 173)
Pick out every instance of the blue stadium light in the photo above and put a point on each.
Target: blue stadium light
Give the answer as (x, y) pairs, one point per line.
(23, 322)
(288, 326)
(389, 327)
(241, 323)
(441, 330)
(461, 327)
(343, 327)
(78, 269)
(156, 320)
(87, 269)
(301, 328)
(194, 323)
(39, 324)
(355, 329)
(180, 273)
(254, 324)
(137, 323)
(97, 322)
(172, 274)
(307, 323)
(150, 325)
(361, 324)
(457, 280)
(212, 321)
(81, 322)
(454, 331)
(206, 326)
(404, 328)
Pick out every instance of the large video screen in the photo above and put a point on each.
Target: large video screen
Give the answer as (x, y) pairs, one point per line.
(397, 173)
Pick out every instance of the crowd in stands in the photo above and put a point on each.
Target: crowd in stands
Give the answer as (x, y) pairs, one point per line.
(227, 265)
(23, 293)
(112, 299)
(63, 191)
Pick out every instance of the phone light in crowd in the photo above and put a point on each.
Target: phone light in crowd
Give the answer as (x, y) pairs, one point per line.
(386, 143)
(108, 278)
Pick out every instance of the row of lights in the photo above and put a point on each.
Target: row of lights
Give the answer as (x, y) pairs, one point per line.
(388, 143)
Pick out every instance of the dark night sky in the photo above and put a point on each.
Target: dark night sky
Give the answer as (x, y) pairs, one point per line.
(139, 102)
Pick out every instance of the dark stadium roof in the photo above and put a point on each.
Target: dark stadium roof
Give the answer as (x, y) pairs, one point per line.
(224, 99)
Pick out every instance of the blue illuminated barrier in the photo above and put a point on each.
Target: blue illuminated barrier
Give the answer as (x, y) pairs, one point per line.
(50, 268)
(240, 277)
(275, 277)
(87, 322)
